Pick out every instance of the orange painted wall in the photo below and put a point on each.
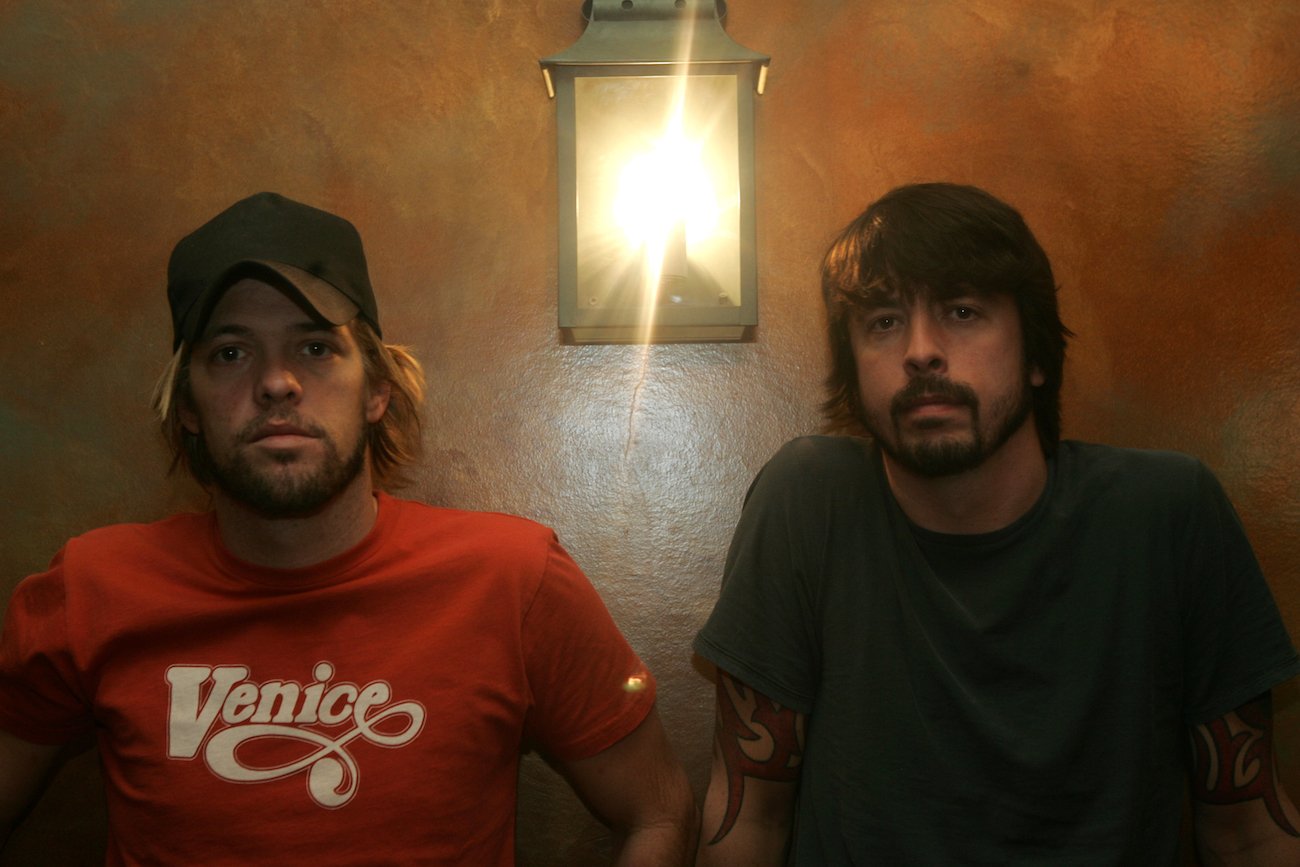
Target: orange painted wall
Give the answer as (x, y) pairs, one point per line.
(1153, 146)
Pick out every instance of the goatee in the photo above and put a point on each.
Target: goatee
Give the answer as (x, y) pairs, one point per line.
(282, 494)
(949, 455)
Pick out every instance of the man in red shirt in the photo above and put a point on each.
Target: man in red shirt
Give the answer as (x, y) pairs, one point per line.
(316, 671)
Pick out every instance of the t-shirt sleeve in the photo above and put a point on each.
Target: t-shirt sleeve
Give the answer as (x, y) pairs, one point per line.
(41, 699)
(589, 689)
(1236, 645)
(763, 628)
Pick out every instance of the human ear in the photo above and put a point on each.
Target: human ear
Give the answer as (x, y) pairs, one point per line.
(377, 400)
(188, 417)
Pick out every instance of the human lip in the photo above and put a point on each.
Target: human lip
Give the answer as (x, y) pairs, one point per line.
(280, 435)
(932, 403)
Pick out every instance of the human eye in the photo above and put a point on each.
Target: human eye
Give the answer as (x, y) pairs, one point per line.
(963, 312)
(876, 323)
(318, 349)
(883, 323)
(228, 354)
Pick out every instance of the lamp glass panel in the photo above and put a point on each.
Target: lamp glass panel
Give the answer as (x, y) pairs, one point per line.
(658, 191)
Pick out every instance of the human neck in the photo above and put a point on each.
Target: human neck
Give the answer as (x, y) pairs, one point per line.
(289, 543)
(981, 500)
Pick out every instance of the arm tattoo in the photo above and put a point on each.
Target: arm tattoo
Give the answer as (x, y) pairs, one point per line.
(1232, 760)
(756, 738)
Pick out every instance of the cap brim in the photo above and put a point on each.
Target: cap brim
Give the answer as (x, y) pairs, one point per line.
(317, 296)
(321, 296)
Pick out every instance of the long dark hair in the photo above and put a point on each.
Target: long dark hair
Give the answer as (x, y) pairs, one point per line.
(935, 238)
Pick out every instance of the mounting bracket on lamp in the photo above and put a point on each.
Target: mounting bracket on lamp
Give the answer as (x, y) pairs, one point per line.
(655, 118)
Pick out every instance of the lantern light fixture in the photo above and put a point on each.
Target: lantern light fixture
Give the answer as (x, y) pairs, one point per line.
(655, 121)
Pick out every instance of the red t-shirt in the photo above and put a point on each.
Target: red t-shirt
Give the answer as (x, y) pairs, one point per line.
(369, 709)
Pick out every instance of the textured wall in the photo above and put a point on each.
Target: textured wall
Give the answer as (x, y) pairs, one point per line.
(1153, 147)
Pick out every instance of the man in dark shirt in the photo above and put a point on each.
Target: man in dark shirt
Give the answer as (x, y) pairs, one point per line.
(962, 640)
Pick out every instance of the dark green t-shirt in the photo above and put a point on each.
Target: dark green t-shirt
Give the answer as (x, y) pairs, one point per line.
(1017, 697)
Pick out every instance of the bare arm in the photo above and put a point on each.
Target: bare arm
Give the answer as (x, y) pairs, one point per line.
(24, 769)
(641, 790)
(1242, 816)
(757, 751)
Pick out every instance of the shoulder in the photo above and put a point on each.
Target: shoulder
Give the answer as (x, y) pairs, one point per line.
(177, 532)
(99, 559)
(814, 461)
(412, 516)
(1153, 472)
(824, 451)
(1102, 456)
(1140, 490)
(483, 542)
(813, 479)
(813, 488)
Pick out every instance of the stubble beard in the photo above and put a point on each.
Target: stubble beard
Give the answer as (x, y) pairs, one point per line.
(277, 492)
(947, 455)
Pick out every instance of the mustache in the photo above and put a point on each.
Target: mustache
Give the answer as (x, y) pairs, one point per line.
(928, 386)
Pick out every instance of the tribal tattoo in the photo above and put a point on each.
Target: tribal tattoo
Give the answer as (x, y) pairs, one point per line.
(1232, 760)
(757, 738)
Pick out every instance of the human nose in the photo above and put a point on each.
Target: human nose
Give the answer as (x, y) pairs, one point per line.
(925, 348)
(277, 383)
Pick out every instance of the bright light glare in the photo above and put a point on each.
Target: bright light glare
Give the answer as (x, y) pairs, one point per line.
(664, 187)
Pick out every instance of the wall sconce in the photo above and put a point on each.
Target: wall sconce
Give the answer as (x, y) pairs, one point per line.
(655, 112)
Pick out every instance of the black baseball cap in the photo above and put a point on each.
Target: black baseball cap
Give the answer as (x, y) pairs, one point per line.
(313, 254)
